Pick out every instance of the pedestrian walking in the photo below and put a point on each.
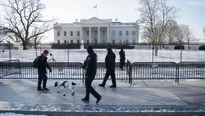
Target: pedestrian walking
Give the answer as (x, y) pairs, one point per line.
(90, 66)
(42, 64)
(122, 58)
(110, 68)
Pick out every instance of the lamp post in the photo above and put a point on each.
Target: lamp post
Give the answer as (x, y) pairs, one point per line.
(40, 48)
(82, 44)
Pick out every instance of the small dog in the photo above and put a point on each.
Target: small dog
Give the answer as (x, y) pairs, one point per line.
(63, 85)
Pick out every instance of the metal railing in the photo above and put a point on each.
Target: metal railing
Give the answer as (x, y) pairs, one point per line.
(132, 71)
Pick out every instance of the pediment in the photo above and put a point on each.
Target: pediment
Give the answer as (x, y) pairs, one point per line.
(94, 20)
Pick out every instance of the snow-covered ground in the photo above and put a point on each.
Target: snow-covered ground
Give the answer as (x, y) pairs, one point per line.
(14, 114)
(134, 55)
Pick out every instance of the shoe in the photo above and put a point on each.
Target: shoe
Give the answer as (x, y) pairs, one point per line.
(73, 83)
(85, 99)
(39, 89)
(46, 89)
(98, 99)
(113, 86)
(101, 85)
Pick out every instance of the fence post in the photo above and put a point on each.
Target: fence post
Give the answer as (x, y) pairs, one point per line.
(177, 73)
(129, 70)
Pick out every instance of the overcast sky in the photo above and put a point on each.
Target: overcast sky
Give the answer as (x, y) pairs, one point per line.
(192, 12)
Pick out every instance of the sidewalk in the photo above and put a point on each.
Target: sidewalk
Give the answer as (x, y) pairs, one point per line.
(142, 96)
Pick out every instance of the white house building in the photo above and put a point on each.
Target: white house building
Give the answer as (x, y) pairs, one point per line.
(95, 30)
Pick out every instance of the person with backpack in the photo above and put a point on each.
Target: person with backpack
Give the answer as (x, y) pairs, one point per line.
(110, 68)
(90, 65)
(41, 64)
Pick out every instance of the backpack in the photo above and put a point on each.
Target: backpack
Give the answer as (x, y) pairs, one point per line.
(36, 62)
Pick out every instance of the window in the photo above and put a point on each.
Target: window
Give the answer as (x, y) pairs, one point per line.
(64, 41)
(113, 33)
(71, 41)
(113, 41)
(65, 33)
(58, 41)
(103, 33)
(71, 33)
(87, 33)
(120, 33)
(78, 41)
(58, 33)
(95, 32)
(127, 33)
(78, 33)
(87, 41)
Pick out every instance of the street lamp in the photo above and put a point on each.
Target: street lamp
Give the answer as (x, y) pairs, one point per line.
(9, 50)
(39, 47)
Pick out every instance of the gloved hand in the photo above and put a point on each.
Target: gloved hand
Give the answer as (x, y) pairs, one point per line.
(83, 66)
(50, 70)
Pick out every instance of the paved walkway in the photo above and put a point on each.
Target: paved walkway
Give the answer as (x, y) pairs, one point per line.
(142, 96)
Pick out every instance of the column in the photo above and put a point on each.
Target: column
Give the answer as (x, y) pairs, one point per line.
(108, 34)
(98, 34)
(90, 35)
(81, 34)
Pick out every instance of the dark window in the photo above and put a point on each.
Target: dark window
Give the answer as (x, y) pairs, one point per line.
(78, 41)
(71, 33)
(103, 33)
(64, 41)
(71, 41)
(120, 33)
(58, 41)
(58, 33)
(65, 33)
(113, 41)
(127, 33)
(87, 41)
(87, 33)
(78, 33)
(113, 33)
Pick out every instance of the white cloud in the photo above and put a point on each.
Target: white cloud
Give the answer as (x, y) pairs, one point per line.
(197, 3)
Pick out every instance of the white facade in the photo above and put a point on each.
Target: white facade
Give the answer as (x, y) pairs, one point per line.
(95, 30)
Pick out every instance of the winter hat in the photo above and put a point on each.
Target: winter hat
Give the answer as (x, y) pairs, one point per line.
(45, 52)
(90, 49)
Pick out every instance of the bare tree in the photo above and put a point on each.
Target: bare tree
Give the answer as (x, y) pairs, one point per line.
(184, 34)
(155, 17)
(171, 33)
(24, 20)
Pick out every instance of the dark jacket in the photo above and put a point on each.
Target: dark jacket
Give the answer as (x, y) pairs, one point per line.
(122, 56)
(91, 63)
(43, 64)
(110, 60)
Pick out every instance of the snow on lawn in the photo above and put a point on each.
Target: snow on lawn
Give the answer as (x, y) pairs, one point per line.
(13, 114)
(134, 55)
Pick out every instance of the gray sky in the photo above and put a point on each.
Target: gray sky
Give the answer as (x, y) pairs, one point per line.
(67, 11)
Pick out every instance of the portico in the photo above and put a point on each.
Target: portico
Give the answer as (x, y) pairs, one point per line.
(94, 34)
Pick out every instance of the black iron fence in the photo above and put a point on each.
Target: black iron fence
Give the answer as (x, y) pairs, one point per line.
(132, 71)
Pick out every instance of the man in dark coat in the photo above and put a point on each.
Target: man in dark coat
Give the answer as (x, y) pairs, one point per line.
(90, 66)
(42, 65)
(122, 58)
(110, 68)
